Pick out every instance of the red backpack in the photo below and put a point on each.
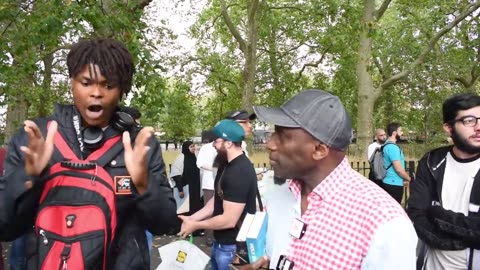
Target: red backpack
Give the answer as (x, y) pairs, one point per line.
(77, 217)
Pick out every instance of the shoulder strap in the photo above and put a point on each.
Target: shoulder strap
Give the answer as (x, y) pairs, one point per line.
(62, 146)
(101, 156)
(107, 151)
(391, 163)
(219, 188)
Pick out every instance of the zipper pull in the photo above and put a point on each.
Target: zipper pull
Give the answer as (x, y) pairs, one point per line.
(64, 265)
(70, 219)
(65, 255)
(44, 236)
(94, 176)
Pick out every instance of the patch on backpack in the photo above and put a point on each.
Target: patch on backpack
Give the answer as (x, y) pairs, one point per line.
(181, 256)
(123, 185)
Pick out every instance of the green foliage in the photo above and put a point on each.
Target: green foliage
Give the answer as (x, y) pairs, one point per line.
(179, 119)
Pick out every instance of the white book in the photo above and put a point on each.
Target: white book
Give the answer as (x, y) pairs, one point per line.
(257, 237)
(242, 233)
(256, 225)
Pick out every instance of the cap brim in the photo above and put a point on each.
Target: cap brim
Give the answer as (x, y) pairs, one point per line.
(274, 116)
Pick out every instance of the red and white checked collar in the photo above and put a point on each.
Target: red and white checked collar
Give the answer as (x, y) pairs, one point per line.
(343, 213)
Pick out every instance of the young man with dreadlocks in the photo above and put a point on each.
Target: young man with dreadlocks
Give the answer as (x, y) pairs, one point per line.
(100, 74)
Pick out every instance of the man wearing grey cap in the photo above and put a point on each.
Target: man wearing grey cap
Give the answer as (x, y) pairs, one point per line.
(336, 218)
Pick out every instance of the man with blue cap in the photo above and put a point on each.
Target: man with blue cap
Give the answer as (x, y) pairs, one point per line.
(235, 195)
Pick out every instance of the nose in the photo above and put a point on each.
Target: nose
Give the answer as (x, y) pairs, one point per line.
(477, 125)
(271, 144)
(96, 91)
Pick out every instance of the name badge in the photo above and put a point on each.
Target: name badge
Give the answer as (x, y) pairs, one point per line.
(284, 263)
(123, 185)
(298, 228)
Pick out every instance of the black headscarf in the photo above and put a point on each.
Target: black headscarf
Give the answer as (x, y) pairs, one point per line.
(190, 169)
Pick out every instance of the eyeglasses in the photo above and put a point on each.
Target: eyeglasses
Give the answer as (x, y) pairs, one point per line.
(468, 121)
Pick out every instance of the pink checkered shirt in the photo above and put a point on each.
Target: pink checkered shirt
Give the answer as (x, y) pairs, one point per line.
(343, 213)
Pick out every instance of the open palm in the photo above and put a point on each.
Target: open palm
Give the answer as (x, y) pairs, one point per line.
(136, 157)
(39, 150)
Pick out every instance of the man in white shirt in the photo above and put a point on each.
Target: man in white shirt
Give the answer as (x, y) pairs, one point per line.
(205, 159)
(380, 138)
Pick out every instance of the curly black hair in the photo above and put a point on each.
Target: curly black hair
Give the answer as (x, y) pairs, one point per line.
(112, 57)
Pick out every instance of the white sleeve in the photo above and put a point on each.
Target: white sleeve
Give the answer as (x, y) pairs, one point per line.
(206, 156)
(393, 246)
(371, 148)
(177, 166)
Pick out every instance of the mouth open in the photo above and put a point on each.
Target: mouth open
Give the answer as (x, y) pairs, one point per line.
(94, 111)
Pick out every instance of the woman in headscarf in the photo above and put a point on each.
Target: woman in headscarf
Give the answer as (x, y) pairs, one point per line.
(185, 172)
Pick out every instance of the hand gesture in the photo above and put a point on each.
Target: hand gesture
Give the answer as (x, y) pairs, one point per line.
(136, 157)
(188, 226)
(263, 262)
(39, 150)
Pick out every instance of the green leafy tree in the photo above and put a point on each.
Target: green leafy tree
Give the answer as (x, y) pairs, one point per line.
(179, 120)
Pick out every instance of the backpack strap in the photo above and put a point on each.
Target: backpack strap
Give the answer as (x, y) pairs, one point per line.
(381, 148)
(62, 146)
(103, 155)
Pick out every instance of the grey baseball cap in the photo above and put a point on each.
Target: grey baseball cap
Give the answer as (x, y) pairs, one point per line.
(318, 112)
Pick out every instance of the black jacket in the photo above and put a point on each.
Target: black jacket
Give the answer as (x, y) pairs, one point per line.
(155, 210)
(436, 227)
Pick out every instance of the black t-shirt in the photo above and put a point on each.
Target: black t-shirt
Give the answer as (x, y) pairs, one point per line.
(238, 182)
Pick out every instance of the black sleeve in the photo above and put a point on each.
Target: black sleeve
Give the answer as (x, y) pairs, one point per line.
(464, 227)
(178, 182)
(421, 197)
(157, 206)
(18, 205)
(237, 184)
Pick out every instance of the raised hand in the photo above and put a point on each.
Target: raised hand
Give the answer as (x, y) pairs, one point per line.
(136, 157)
(39, 150)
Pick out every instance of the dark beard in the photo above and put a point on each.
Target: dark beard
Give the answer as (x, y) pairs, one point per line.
(462, 144)
(220, 160)
(279, 180)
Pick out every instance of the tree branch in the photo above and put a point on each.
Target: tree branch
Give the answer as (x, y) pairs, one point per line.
(380, 68)
(379, 12)
(231, 27)
(313, 64)
(463, 81)
(287, 7)
(404, 73)
(142, 4)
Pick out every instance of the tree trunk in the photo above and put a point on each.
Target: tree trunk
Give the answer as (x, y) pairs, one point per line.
(46, 93)
(16, 114)
(367, 94)
(250, 68)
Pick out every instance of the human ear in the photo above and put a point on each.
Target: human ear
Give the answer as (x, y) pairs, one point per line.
(447, 128)
(321, 151)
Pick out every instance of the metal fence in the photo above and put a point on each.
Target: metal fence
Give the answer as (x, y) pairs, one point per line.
(363, 167)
